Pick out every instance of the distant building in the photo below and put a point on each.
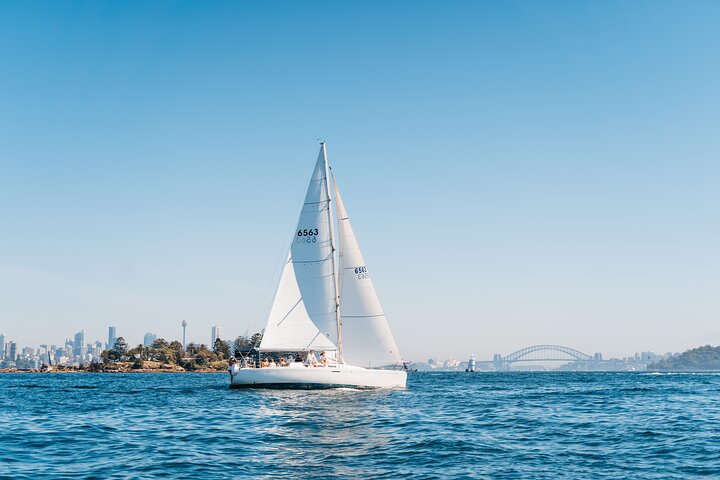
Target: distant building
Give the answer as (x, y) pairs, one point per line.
(214, 336)
(96, 349)
(2, 346)
(12, 351)
(451, 363)
(79, 343)
(149, 339)
(112, 337)
(184, 325)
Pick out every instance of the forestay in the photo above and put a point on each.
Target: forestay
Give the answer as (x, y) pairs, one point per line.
(303, 316)
(367, 340)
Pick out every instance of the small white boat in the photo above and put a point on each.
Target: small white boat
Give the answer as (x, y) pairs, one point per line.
(326, 301)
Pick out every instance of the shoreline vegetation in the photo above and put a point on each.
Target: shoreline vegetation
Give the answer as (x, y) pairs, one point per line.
(161, 356)
(700, 359)
(164, 356)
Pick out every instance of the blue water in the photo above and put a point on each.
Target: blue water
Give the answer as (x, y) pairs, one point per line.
(444, 425)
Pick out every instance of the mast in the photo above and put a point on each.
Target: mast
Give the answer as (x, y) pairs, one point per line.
(332, 248)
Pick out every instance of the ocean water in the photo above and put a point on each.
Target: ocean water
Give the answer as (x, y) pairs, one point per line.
(444, 425)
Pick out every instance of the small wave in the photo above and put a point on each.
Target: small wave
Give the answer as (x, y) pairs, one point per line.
(699, 374)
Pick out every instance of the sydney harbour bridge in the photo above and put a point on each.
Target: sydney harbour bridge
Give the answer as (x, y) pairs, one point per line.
(545, 353)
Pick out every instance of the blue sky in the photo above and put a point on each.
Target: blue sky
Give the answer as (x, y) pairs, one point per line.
(517, 172)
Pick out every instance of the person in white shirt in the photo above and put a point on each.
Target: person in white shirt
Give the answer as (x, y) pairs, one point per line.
(311, 360)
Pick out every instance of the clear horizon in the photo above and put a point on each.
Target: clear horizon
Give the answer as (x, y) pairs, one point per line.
(517, 173)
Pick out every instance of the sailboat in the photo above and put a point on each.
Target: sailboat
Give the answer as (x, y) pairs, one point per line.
(326, 302)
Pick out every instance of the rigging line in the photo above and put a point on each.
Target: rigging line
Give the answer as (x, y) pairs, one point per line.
(319, 334)
(364, 316)
(274, 276)
(289, 312)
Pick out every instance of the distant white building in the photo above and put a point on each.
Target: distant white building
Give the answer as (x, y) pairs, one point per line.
(214, 336)
(451, 363)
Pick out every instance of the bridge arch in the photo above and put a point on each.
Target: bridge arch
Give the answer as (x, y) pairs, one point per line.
(546, 353)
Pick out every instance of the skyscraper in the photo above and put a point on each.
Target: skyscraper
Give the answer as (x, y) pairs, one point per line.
(79, 343)
(149, 339)
(2, 346)
(214, 336)
(112, 336)
(12, 347)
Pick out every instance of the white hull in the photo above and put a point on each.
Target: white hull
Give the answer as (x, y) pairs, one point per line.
(300, 376)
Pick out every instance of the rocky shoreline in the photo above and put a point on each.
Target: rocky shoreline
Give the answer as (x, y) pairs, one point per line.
(122, 367)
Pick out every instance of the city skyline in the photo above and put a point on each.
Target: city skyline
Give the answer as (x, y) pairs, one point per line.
(78, 342)
(112, 336)
(75, 352)
(517, 172)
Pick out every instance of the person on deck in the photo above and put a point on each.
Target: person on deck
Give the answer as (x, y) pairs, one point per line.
(311, 360)
(323, 359)
(232, 367)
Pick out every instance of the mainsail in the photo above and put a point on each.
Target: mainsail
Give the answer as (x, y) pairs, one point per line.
(303, 313)
(367, 340)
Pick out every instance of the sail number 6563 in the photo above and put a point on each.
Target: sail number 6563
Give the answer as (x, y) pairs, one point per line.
(305, 232)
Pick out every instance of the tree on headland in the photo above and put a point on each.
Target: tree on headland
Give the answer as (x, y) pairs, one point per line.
(695, 359)
(191, 349)
(120, 346)
(117, 352)
(203, 355)
(221, 349)
(177, 350)
(138, 352)
(163, 355)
